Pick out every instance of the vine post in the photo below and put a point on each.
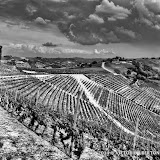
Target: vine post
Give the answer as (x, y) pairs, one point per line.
(77, 109)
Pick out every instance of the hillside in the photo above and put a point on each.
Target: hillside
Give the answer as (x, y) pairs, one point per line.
(142, 70)
(55, 65)
(17, 142)
(113, 110)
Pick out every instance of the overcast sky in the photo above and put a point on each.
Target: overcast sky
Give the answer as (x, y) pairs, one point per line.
(86, 28)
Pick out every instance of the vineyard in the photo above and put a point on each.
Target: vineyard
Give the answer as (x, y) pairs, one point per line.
(108, 108)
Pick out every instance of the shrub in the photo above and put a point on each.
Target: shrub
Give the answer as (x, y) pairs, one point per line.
(117, 71)
(94, 62)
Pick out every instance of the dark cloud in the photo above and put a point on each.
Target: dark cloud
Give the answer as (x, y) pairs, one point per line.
(110, 37)
(148, 13)
(127, 35)
(91, 21)
(59, 1)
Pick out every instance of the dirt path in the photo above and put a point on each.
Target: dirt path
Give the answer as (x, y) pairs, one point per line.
(19, 143)
(107, 69)
(94, 102)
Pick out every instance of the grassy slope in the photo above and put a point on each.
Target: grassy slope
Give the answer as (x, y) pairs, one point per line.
(16, 141)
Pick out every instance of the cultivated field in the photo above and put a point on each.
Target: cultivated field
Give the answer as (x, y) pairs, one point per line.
(109, 110)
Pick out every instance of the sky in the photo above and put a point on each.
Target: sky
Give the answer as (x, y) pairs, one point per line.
(80, 28)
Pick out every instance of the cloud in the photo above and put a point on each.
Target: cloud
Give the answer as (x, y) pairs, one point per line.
(74, 51)
(126, 32)
(11, 22)
(95, 18)
(142, 9)
(111, 19)
(47, 20)
(40, 20)
(158, 17)
(97, 37)
(103, 52)
(157, 27)
(117, 12)
(66, 14)
(111, 37)
(48, 50)
(59, 1)
(58, 50)
(34, 48)
(148, 13)
(81, 21)
(92, 0)
(144, 21)
(153, 5)
(31, 9)
(124, 3)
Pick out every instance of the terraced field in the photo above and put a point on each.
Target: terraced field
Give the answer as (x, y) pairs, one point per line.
(106, 98)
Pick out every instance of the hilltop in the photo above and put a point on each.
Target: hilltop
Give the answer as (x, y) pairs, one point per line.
(55, 65)
(141, 71)
(145, 69)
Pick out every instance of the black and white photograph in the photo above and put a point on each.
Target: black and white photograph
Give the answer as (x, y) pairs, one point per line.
(79, 79)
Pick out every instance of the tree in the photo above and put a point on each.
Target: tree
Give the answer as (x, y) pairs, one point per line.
(117, 71)
(110, 60)
(147, 68)
(128, 72)
(90, 65)
(94, 62)
(136, 64)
